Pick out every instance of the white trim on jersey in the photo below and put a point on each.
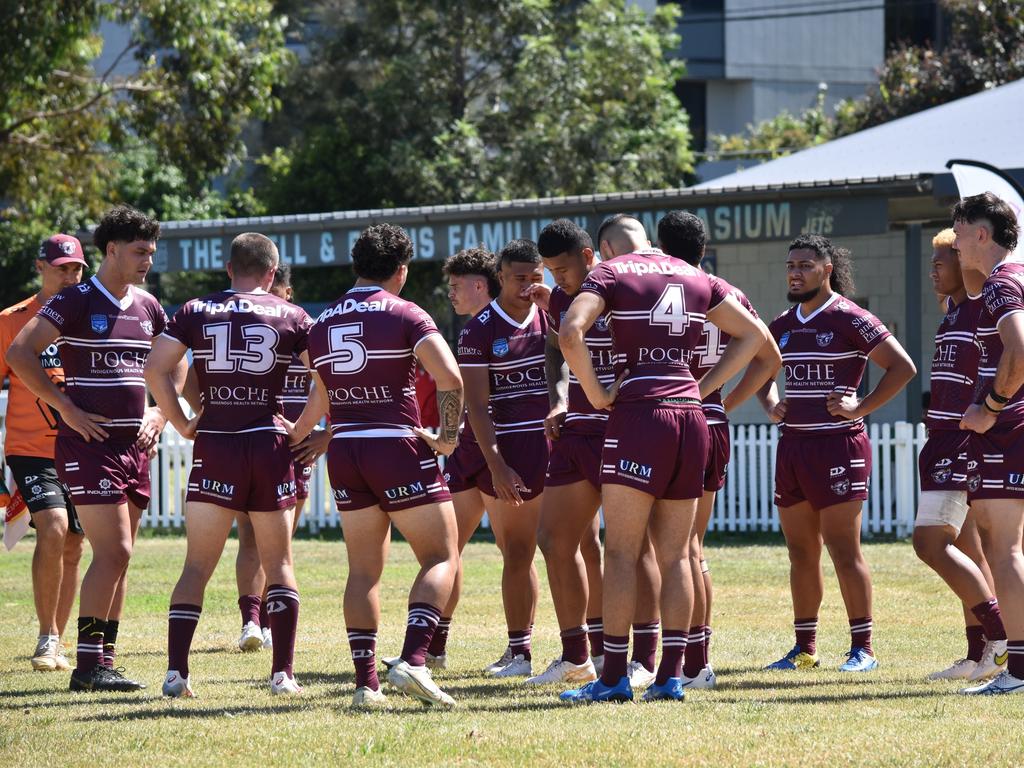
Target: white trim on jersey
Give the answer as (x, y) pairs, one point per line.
(75, 341)
(804, 320)
(275, 429)
(122, 304)
(529, 317)
(821, 355)
(1011, 313)
(406, 432)
(508, 395)
(78, 381)
(954, 336)
(426, 336)
(823, 425)
(532, 360)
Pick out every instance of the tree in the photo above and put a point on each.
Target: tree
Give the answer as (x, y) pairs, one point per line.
(410, 102)
(985, 49)
(197, 72)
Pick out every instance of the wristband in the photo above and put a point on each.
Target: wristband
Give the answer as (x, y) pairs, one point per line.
(996, 397)
(990, 408)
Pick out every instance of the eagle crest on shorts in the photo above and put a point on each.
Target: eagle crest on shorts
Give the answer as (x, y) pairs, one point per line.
(942, 475)
(841, 487)
(973, 483)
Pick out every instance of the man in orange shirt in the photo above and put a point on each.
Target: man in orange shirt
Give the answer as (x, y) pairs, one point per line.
(31, 428)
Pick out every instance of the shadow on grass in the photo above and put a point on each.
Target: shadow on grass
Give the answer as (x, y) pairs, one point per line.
(159, 710)
(829, 698)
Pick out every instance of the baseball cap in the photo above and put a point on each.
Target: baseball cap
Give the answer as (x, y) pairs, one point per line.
(62, 249)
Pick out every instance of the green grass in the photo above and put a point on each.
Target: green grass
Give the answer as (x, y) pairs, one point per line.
(820, 718)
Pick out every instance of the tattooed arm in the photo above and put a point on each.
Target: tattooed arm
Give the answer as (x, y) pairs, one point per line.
(440, 363)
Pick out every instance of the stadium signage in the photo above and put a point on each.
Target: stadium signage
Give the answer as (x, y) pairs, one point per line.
(327, 242)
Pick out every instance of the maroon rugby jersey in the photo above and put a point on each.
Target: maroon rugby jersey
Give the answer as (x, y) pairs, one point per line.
(295, 391)
(242, 344)
(712, 347)
(362, 347)
(657, 305)
(104, 344)
(954, 365)
(581, 417)
(824, 352)
(513, 353)
(1003, 295)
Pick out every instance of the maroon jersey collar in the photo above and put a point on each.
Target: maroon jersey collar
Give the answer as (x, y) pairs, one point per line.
(504, 316)
(804, 320)
(122, 304)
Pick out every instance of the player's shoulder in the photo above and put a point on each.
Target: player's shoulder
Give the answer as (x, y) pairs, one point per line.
(22, 307)
(1008, 275)
(785, 317)
(144, 298)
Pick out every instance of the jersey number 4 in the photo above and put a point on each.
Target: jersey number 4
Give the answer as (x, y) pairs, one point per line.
(671, 310)
(259, 355)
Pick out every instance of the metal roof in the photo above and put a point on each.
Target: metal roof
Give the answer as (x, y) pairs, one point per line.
(606, 202)
(985, 126)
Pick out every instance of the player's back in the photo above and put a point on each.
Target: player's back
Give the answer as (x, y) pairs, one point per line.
(657, 306)
(242, 346)
(712, 346)
(362, 347)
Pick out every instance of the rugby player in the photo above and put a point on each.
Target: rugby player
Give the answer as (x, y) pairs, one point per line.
(569, 525)
(823, 458)
(104, 328)
(945, 538)
(682, 235)
(249, 574)
(472, 284)
(501, 357)
(382, 465)
(30, 434)
(657, 307)
(243, 340)
(986, 236)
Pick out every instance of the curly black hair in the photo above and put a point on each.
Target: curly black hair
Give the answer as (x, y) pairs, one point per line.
(522, 251)
(475, 261)
(993, 209)
(841, 278)
(124, 224)
(283, 276)
(682, 235)
(562, 236)
(380, 251)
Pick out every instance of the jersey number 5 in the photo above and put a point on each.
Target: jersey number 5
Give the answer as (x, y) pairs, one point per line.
(348, 354)
(671, 310)
(259, 355)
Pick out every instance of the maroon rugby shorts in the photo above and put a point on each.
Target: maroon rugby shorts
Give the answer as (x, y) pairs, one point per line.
(658, 448)
(394, 473)
(574, 458)
(463, 468)
(995, 464)
(102, 472)
(718, 456)
(942, 465)
(822, 470)
(250, 472)
(527, 454)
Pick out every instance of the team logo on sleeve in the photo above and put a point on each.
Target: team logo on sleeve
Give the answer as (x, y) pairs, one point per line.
(98, 323)
(500, 347)
(824, 338)
(784, 340)
(601, 323)
(147, 326)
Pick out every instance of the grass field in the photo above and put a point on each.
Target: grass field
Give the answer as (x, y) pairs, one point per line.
(820, 718)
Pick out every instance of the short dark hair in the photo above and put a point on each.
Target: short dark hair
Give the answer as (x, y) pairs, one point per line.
(993, 209)
(522, 251)
(283, 276)
(562, 236)
(611, 221)
(682, 235)
(380, 251)
(124, 224)
(252, 254)
(841, 278)
(474, 261)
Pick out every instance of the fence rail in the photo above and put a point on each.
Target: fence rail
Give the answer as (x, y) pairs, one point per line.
(745, 504)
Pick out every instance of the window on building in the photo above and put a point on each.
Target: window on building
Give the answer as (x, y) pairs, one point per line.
(693, 95)
(915, 22)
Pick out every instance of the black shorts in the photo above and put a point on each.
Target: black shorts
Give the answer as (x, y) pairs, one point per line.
(36, 478)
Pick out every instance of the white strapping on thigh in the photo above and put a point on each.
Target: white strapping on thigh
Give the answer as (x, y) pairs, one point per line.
(942, 508)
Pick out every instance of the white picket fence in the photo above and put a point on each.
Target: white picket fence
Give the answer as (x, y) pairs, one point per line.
(745, 504)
